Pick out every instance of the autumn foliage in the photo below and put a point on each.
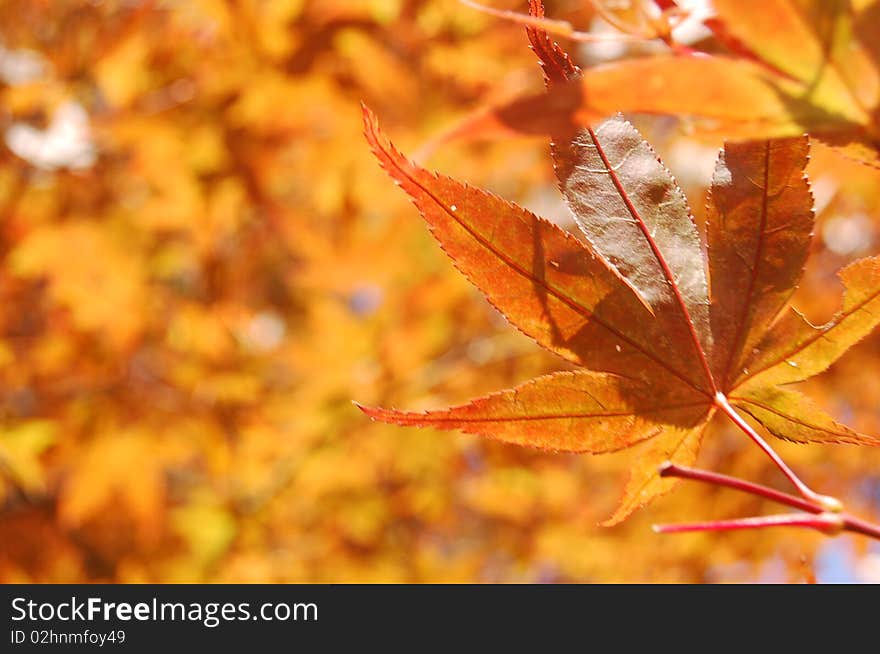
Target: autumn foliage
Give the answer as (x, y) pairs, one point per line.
(201, 266)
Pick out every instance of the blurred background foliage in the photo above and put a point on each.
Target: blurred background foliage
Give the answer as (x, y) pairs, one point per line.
(201, 266)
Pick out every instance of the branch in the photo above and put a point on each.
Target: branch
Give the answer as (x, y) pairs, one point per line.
(828, 522)
(558, 27)
(671, 470)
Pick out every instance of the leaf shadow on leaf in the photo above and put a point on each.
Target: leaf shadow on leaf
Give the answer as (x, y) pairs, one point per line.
(851, 139)
(539, 272)
(853, 144)
(866, 28)
(826, 38)
(611, 353)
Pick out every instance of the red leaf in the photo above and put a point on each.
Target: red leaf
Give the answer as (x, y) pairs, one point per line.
(567, 411)
(760, 220)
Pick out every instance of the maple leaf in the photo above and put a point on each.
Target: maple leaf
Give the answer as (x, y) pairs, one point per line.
(632, 305)
(663, 347)
(797, 66)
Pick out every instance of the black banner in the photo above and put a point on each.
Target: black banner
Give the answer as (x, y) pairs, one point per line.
(411, 618)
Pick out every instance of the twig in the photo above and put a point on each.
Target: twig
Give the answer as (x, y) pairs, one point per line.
(716, 479)
(828, 522)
